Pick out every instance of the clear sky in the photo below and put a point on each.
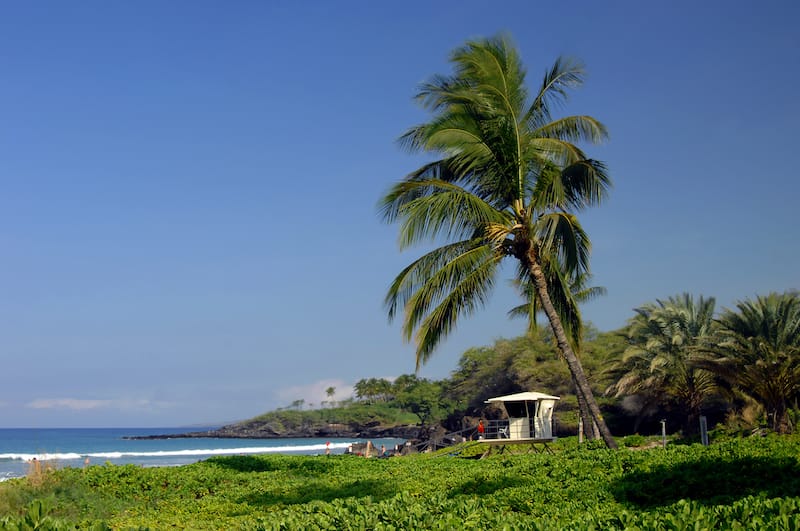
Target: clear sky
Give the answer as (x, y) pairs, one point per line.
(188, 189)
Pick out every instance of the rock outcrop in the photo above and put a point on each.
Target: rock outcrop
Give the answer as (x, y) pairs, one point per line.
(265, 430)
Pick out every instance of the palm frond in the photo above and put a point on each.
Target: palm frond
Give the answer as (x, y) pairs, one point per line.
(495, 70)
(565, 294)
(416, 273)
(576, 187)
(566, 73)
(530, 308)
(586, 183)
(560, 234)
(458, 289)
(590, 294)
(450, 211)
(541, 150)
(413, 187)
(573, 129)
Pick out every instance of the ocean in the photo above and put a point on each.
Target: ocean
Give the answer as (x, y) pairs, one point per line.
(74, 446)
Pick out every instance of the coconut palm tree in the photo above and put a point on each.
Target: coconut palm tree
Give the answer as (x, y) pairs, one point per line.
(506, 182)
(658, 365)
(757, 352)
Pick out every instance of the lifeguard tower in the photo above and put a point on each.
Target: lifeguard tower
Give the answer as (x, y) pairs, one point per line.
(530, 421)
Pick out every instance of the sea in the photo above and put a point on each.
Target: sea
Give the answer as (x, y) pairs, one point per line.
(79, 447)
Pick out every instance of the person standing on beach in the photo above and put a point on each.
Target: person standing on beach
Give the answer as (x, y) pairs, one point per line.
(481, 429)
(35, 468)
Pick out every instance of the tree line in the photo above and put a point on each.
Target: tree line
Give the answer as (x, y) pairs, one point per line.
(675, 359)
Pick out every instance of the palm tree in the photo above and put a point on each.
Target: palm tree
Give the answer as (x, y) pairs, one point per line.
(658, 365)
(331, 392)
(505, 185)
(757, 352)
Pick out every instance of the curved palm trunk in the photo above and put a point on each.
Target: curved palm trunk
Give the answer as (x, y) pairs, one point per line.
(572, 360)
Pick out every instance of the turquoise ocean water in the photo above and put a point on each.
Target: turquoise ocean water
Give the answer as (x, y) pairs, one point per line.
(73, 446)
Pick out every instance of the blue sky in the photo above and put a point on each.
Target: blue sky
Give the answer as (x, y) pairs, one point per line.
(188, 189)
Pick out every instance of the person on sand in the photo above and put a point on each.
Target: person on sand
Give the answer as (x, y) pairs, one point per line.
(328, 448)
(383, 451)
(481, 429)
(35, 468)
(369, 450)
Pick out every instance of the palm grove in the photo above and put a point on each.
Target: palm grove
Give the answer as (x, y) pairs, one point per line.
(506, 182)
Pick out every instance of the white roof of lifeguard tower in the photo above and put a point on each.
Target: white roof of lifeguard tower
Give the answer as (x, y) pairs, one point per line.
(530, 395)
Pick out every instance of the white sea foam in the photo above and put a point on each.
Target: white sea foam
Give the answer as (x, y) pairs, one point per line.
(173, 453)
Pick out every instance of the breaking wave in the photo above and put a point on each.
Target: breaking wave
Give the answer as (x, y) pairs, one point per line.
(199, 452)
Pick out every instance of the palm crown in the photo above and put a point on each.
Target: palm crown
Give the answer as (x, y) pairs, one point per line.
(509, 177)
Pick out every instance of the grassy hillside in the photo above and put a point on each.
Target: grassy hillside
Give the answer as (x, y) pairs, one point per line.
(748, 483)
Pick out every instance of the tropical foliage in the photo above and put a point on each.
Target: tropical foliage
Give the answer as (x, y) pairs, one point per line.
(507, 183)
(756, 351)
(657, 367)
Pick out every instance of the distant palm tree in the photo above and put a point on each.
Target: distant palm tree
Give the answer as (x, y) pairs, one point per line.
(508, 178)
(331, 392)
(757, 352)
(658, 365)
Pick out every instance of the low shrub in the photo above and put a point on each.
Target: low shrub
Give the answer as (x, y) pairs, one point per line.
(743, 483)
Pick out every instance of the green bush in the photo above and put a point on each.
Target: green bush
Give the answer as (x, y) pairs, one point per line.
(749, 483)
(634, 440)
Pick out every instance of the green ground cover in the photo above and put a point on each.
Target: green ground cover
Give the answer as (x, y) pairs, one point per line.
(740, 484)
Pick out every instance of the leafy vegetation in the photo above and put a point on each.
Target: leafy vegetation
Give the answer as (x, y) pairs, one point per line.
(657, 367)
(740, 483)
(756, 353)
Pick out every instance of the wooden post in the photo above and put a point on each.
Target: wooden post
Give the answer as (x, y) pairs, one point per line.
(703, 430)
